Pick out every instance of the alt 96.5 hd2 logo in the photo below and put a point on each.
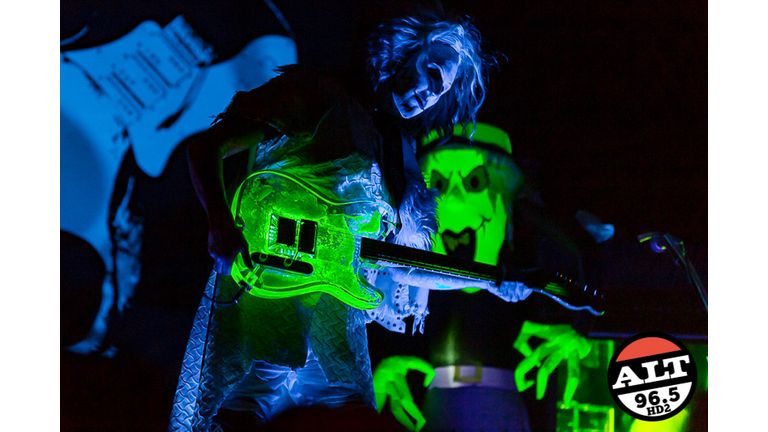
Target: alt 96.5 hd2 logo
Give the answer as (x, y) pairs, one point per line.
(652, 376)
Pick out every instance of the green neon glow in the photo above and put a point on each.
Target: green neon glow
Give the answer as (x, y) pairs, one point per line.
(267, 195)
(483, 132)
(459, 208)
(575, 416)
(473, 187)
(465, 205)
(562, 344)
(450, 355)
(673, 424)
(389, 382)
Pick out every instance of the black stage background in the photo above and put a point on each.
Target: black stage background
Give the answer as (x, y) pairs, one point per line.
(605, 104)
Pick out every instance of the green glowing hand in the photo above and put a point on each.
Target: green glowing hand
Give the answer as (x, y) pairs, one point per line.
(561, 342)
(389, 380)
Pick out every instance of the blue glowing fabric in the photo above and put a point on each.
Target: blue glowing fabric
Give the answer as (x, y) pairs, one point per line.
(252, 347)
(268, 389)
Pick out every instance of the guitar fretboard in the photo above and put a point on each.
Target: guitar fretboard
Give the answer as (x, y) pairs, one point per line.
(396, 254)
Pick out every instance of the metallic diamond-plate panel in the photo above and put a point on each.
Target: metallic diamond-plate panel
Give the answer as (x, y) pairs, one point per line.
(340, 341)
(185, 404)
(225, 341)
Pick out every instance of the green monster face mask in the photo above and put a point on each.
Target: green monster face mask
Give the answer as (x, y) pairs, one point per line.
(477, 182)
(472, 224)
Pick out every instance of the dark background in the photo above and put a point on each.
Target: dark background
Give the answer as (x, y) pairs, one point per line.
(605, 104)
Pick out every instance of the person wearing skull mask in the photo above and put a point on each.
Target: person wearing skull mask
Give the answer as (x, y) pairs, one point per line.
(260, 358)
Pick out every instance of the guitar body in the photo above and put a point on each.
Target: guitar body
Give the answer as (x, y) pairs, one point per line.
(303, 240)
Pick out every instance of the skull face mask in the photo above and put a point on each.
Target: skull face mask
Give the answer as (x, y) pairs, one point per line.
(477, 181)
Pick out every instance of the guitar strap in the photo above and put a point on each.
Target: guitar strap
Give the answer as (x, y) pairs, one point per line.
(390, 159)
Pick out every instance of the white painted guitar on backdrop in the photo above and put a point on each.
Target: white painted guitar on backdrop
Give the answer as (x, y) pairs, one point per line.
(148, 90)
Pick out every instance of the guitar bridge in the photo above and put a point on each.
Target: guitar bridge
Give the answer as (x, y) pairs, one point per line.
(307, 236)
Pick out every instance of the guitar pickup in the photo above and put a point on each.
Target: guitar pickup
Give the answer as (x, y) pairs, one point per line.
(307, 234)
(286, 231)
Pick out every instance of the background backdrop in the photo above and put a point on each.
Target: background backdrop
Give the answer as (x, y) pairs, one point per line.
(605, 104)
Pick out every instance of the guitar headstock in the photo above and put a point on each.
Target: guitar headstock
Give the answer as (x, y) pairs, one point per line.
(564, 289)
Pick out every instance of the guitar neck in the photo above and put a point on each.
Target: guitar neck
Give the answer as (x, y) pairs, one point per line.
(556, 286)
(396, 254)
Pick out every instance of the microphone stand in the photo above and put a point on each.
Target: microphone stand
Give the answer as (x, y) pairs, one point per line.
(660, 243)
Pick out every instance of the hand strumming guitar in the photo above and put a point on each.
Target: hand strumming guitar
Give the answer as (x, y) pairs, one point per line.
(225, 242)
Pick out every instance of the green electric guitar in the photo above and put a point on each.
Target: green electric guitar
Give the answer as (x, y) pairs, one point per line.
(302, 240)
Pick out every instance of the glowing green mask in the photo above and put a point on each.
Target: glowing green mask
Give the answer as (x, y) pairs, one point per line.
(477, 182)
(471, 223)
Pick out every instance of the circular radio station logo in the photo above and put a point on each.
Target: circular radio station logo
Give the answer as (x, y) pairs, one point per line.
(652, 376)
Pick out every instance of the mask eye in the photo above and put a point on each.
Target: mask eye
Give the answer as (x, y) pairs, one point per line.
(477, 180)
(435, 80)
(437, 181)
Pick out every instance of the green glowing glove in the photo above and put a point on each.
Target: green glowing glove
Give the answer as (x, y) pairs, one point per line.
(561, 343)
(389, 380)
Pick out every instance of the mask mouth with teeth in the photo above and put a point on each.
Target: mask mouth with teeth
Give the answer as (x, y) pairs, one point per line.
(461, 245)
(472, 223)
(477, 186)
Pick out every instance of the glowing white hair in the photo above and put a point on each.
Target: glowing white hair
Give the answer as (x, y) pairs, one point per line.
(394, 42)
